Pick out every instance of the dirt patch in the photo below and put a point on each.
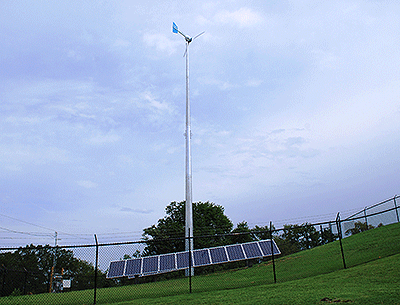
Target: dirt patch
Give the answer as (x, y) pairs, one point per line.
(328, 300)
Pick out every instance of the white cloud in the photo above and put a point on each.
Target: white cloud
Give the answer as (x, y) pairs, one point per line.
(155, 105)
(140, 211)
(100, 138)
(87, 184)
(161, 42)
(243, 17)
(254, 82)
(221, 84)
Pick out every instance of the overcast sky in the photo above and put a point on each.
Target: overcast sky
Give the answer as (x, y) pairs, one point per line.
(295, 112)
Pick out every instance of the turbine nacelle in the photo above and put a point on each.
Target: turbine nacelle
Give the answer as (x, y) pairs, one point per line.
(187, 38)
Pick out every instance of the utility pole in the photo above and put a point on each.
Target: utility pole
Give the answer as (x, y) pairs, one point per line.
(54, 263)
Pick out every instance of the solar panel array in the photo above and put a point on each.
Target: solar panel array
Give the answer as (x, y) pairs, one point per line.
(202, 257)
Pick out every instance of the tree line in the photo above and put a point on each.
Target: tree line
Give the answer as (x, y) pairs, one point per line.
(212, 228)
(34, 269)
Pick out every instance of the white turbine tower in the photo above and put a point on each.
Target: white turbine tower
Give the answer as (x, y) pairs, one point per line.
(188, 167)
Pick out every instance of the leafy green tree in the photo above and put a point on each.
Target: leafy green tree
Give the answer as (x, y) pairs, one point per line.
(28, 269)
(262, 233)
(241, 234)
(289, 241)
(359, 227)
(209, 224)
(298, 237)
(310, 238)
(327, 236)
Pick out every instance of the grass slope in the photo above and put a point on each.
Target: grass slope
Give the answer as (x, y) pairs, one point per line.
(372, 283)
(305, 277)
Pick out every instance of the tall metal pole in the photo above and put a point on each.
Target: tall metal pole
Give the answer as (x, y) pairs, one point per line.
(188, 135)
(188, 195)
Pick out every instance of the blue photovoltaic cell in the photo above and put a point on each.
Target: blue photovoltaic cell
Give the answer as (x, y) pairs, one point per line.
(150, 264)
(218, 255)
(201, 257)
(116, 269)
(182, 260)
(167, 262)
(235, 252)
(133, 267)
(252, 250)
(276, 250)
(266, 247)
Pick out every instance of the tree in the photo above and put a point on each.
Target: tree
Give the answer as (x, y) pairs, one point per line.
(327, 236)
(310, 237)
(298, 237)
(262, 233)
(241, 234)
(358, 228)
(209, 224)
(28, 269)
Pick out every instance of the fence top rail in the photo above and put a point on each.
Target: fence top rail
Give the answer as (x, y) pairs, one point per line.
(373, 206)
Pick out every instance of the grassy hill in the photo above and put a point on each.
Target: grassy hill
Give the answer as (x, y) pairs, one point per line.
(314, 276)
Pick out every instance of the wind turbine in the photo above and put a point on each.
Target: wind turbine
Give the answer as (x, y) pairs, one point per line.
(188, 164)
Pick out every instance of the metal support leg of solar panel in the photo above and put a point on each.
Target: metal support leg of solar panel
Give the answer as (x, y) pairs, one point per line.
(164, 263)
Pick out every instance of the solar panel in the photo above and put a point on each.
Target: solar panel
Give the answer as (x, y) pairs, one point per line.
(235, 252)
(276, 249)
(252, 250)
(150, 264)
(133, 267)
(218, 255)
(201, 258)
(116, 269)
(167, 262)
(182, 260)
(265, 247)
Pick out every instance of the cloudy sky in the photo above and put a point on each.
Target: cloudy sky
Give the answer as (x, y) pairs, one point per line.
(295, 112)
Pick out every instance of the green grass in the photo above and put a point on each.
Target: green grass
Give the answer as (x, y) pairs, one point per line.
(372, 283)
(372, 277)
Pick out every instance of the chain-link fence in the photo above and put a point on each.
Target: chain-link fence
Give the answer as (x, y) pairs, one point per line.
(78, 274)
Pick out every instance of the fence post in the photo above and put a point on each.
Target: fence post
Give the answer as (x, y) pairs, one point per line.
(339, 229)
(3, 273)
(395, 206)
(95, 269)
(272, 250)
(365, 216)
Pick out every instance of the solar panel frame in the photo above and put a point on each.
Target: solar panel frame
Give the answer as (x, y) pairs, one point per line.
(201, 257)
(265, 246)
(117, 269)
(276, 249)
(133, 266)
(167, 262)
(235, 252)
(150, 264)
(252, 250)
(218, 255)
(182, 260)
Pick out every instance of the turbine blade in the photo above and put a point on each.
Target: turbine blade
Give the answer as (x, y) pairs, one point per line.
(174, 28)
(198, 35)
